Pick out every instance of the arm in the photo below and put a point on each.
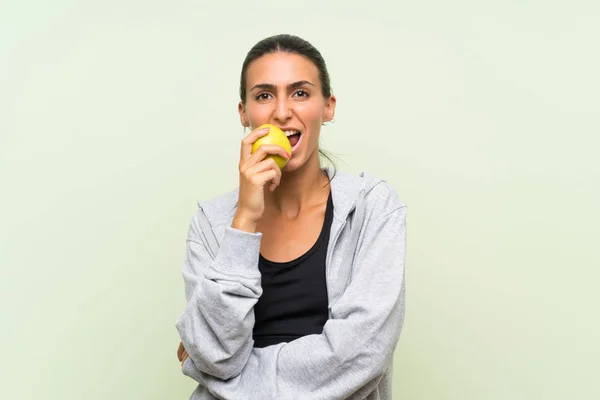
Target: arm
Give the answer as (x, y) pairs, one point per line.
(356, 345)
(216, 325)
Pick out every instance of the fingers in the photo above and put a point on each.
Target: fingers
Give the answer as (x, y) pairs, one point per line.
(255, 167)
(255, 174)
(246, 150)
(263, 151)
(258, 170)
(180, 351)
(184, 356)
(272, 176)
(264, 165)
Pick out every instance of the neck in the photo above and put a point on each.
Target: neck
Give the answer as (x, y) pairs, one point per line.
(300, 189)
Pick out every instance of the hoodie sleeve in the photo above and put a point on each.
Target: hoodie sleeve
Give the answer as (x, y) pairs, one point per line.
(217, 322)
(357, 343)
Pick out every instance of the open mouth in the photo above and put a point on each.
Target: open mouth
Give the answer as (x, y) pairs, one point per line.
(293, 137)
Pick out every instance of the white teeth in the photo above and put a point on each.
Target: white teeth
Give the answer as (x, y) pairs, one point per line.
(290, 133)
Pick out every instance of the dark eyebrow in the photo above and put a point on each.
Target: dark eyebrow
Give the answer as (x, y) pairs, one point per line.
(269, 86)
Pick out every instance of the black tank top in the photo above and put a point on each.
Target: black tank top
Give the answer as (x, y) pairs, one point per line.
(294, 300)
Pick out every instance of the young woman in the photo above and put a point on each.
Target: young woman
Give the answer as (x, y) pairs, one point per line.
(295, 280)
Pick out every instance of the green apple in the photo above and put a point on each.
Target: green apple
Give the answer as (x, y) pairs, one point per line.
(277, 137)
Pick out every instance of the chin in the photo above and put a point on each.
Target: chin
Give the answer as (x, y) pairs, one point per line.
(295, 164)
(291, 167)
(300, 159)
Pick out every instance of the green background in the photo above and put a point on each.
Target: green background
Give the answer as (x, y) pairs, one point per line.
(116, 116)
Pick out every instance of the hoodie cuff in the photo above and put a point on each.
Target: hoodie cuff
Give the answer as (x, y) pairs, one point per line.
(189, 369)
(239, 253)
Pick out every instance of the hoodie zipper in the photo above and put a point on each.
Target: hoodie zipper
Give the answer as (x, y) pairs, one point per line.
(328, 278)
(333, 296)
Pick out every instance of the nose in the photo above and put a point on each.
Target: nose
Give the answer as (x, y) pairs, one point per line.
(283, 112)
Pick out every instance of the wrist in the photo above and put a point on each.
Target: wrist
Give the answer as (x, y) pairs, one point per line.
(244, 223)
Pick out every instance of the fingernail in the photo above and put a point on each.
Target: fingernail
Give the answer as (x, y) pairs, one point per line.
(288, 155)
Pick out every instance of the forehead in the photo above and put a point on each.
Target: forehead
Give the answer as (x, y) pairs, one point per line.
(281, 69)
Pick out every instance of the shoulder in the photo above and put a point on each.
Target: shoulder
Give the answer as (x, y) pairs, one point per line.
(373, 195)
(381, 197)
(219, 209)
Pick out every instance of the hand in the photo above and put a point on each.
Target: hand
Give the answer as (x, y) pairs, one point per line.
(255, 173)
(182, 355)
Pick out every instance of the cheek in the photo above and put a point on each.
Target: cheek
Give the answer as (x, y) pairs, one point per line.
(257, 120)
(258, 114)
(311, 115)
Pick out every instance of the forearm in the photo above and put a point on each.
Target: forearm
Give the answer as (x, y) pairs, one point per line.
(217, 322)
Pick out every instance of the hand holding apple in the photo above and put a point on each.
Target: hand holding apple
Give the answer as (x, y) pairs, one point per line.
(259, 166)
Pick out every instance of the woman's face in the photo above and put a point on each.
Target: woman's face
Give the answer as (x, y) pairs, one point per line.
(284, 89)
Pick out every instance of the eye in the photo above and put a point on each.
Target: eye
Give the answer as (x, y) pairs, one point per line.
(263, 96)
(301, 93)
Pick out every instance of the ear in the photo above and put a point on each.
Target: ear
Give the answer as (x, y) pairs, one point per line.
(243, 115)
(330, 109)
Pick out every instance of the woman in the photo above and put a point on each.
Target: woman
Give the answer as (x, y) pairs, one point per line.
(295, 280)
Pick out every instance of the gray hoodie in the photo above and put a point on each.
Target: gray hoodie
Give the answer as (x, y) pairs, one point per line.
(352, 358)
